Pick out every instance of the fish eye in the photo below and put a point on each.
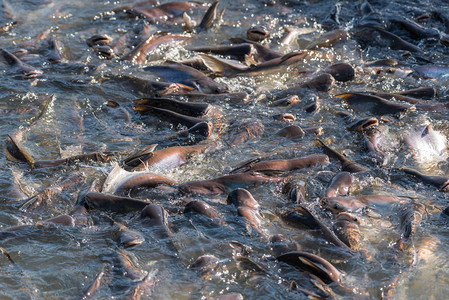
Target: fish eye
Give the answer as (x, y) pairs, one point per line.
(337, 206)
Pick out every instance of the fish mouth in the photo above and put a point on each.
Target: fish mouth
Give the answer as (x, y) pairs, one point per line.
(364, 124)
(31, 73)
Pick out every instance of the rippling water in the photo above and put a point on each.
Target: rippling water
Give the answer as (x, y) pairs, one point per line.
(55, 262)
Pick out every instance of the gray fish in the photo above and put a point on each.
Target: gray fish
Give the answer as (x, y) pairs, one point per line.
(18, 66)
(179, 73)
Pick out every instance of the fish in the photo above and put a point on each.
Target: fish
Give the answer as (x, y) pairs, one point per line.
(280, 244)
(374, 104)
(411, 215)
(96, 200)
(121, 182)
(249, 130)
(395, 42)
(347, 229)
(313, 264)
(193, 109)
(440, 182)
(295, 190)
(340, 185)
(302, 216)
(427, 144)
(228, 69)
(346, 164)
(224, 184)
(328, 39)
(358, 124)
(321, 82)
(291, 132)
(164, 159)
(17, 66)
(179, 73)
(154, 215)
(159, 13)
(342, 72)
(139, 53)
(352, 203)
(414, 29)
(285, 165)
(247, 207)
(102, 278)
(257, 34)
(205, 264)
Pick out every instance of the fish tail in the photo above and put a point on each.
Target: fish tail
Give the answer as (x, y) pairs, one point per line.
(218, 66)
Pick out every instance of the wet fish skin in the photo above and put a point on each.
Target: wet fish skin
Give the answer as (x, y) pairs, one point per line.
(312, 263)
(414, 29)
(347, 164)
(286, 165)
(27, 71)
(223, 185)
(291, 131)
(295, 191)
(179, 73)
(95, 200)
(280, 244)
(249, 130)
(373, 104)
(168, 158)
(142, 181)
(411, 215)
(440, 182)
(247, 207)
(101, 279)
(340, 185)
(257, 34)
(202, 208)
(193, 109)
(154, 215)
(347, 230)
(342, 72)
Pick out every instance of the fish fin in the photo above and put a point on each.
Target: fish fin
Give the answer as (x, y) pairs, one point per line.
(345, 95)
(209, 17)
(318, 268)
(43, 108)
(188, 23)
(139, 157)
(427, 130)
(14, 152)
(220, 67)
(249, 61)
(10, 58)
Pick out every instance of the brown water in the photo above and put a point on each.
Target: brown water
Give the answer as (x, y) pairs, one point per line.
(57, 262)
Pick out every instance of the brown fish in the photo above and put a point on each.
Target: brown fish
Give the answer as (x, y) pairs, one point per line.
(164, 159)
(340, 185)
(347, 164)
(411, 215)
(248, 130)
(313, 264)
(222, 185)
(440, 182)
(227, 69)
(95, 200)
(373, 104)
(347, 229)
(286, 165)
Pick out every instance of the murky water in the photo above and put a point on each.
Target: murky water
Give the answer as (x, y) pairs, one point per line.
(60, 262)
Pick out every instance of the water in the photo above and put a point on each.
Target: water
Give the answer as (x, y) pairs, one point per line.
(55, 262)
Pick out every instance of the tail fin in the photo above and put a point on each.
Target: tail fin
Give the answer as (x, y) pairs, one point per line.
(220, 67)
